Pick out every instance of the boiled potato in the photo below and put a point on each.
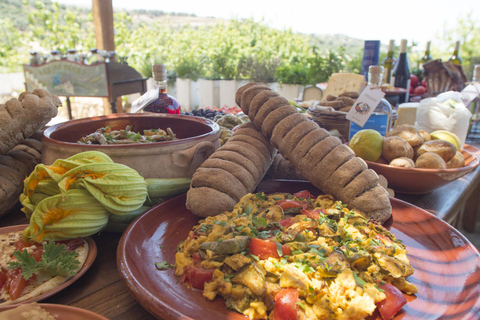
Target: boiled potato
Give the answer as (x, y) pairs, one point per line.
(396, 147)
(430, 160)
(426, 136)
(408, 133)
(443, 148)
(457, 161)
(403, 162)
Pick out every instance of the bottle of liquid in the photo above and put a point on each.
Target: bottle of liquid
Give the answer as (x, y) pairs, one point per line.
(388, 62)
(72, 55)
(426, 57)
(34, 58)
(382, 118)
(455, 58)
(401, 73)
(165, 102)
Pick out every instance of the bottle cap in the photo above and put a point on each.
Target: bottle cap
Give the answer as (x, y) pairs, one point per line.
(159, 72)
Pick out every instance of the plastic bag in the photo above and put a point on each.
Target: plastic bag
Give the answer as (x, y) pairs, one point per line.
(444, 112)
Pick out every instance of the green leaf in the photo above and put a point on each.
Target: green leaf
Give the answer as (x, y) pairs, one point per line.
(358, 280)
(260, 222)
(163, 265)
(26, 262)
(260, 196)
(301, 305)
(279, 248)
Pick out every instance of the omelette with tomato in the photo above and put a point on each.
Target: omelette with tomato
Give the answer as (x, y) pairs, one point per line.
(293, 256)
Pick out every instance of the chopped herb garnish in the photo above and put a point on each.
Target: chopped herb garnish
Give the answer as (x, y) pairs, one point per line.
(260, 222)
(163, 265)
(279, 248)
(260, 196)
(358, 280)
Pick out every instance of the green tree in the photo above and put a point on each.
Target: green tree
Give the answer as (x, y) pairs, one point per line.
(10, 39)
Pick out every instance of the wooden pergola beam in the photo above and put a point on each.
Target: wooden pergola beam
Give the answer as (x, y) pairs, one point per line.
(102, 11)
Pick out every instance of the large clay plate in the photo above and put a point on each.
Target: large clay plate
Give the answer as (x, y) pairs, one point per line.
(421, 181)
(61, 312)
(447, 269)
(92, 254)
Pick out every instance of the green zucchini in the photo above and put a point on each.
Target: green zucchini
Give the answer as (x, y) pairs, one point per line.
(167, 188)
(129, 217)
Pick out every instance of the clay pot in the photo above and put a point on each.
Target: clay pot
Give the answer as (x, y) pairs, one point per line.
(197, 140)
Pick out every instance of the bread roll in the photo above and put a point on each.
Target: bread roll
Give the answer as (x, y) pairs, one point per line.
(218, 184)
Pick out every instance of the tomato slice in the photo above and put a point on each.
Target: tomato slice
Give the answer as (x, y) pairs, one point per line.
(20, 245)
(289, 204)
(196, 276)
(72, 244)
(16, 283)
(265, 249)
(312, 214)
(285, 305)
(37, 253)
(305, 194)
(3, 278)
(393, 303)
(287, 222)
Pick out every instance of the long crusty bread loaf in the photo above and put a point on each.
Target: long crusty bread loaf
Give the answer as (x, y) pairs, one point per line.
(314, 153)
(230, 172)
(20, 118)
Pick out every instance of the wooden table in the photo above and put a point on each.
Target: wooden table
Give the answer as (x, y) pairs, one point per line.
(101, 289)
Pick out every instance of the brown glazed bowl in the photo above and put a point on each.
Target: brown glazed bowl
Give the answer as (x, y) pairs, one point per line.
(197, 140)
(421, 181)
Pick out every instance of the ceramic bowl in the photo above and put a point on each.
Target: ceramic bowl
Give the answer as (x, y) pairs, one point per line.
(197, 140)
(421, 181)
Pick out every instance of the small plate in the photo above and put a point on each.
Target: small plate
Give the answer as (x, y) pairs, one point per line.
(92, 254)
(61, 312)
(421, 181)
(447, 272)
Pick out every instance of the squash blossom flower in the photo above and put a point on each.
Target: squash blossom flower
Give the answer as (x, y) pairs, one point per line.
(59, 217)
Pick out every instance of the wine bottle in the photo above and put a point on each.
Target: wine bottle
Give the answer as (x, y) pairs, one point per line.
(387, 63)
(401, 72)
(426, 57)
(165, 103)
(455, 58)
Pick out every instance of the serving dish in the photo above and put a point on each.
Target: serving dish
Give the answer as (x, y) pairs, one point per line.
(62, 312)
(197, 140)
(446, 265)
(92, 254)
(421, 181)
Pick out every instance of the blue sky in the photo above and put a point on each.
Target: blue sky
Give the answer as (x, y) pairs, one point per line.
(418, 20)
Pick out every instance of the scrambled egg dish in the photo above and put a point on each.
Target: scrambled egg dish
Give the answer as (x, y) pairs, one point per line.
(284, 256)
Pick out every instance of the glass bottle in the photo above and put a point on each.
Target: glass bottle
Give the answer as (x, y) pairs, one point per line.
(34, 58)
(401, 73)
(72, 55)
(54, 56)
(455, 58)
(382, 117)
(388, 62)
(476, 73)
(165, 103)
(426, 56)
(92, 56)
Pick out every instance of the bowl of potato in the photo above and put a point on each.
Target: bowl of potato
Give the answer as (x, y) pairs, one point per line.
(417, 162)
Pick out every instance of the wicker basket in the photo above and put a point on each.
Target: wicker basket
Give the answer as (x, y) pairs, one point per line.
(331, 120)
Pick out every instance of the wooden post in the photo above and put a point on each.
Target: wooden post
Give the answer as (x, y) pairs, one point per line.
(104, 34)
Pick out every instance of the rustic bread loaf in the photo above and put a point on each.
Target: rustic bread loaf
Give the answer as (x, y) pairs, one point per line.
(20, 118)
(231, 172)
(314, 153)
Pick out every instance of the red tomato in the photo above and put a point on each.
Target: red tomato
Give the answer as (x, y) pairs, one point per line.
(287, 222)
(420, 90)
(303, 194)
(414, 80)
(265, 249)
(424, 83)
(412, 90)
(16, 284)
(394, 301)
(312, 214)
(20, 245)
(197, 276)
(3, 278)
(285, 305)
(289, 204)
(37, 253)
(72, 244)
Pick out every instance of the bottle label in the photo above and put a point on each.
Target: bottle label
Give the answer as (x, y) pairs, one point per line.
(470, 92)
(365, 105)
(378, 122)
(147, 98)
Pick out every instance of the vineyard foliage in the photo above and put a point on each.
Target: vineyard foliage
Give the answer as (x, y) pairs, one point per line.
(233, 49)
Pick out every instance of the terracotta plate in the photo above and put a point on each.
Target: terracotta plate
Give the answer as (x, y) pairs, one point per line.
(447, 269)
(420, 181)
(92, 254)
(61, 312)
